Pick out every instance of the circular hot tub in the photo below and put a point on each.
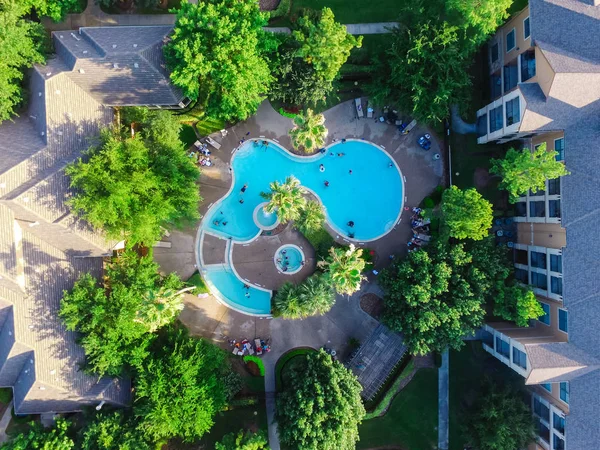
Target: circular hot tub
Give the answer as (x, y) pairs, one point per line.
(289, 259)
(265, 220)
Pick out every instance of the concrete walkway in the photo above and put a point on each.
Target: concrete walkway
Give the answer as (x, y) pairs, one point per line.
(370, 28)
(443, 402)
(4, 422)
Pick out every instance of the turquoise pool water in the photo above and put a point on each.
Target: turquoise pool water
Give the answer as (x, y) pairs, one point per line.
(266, 219)
(289, 259)
(370, 197)
(233, 291)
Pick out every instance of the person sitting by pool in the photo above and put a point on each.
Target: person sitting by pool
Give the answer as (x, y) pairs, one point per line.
(244, 187)
(351, 235)
(343, 141)
(279, 260)
(283, 252)
(322, 150)
(302, 262)
(246, 286)
(284, 268)
(322, 168)
(350, 224)
(266, 143)
(326, 183)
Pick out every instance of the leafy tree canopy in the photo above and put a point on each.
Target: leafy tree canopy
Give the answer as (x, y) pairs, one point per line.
(113, 431)
(180, 386)
(243, 440)
(466, 213)
(135, 187)
(115, 322)
(517, 304)
(309, 131)
(343, 268)
(320, 408)
(436, 296)
(522, 170)
(286, 199)
(40, 438)
(216, 57)
(499, 420)
(55, 9)
(22, 44)
(324, 43)
(314, 296)
(311, 217)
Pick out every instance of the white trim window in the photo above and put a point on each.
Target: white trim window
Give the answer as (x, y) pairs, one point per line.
(559, 147)
(526, 28)
(511, 40)
(550, 423)
(541, 268)
(546, 318)
(563, 320)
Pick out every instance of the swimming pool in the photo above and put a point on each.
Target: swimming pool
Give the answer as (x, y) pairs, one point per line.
(364, 189)
(263, 219)
(289, 259)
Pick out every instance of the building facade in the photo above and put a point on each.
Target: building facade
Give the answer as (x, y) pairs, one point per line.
(545, 88)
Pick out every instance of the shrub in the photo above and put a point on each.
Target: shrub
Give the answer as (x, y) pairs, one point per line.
(283, 9)
(256, 360)
(428, 203)
(284, 113)
(240, 402)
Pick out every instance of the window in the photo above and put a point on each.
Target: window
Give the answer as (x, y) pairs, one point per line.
(527, 65)
(538, 259)
(556, 285)
(554, 208)
(558, 422)
(547, 386)
(539, 280)
(522, 276)
(541, 192)
(543, 431)
(546, 317)
(541, 410)
(564, 392)
(521, 256)
(496, 119)
(559, 147)
(494, 52)
(537, 209)
(521, 209)
(510, 40)
(502, 347)
(563, 318)
(526, 28)
(554, 186)
(559, 443)
(519, 358)
(513, 114)
(488, 339)
(556, 263)
(511, 76)
(495, 85)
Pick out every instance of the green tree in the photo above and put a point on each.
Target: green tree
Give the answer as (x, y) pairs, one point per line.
(22, 44)
(133, 188)
(312, 297)
(286, 199)
(309, 131)
(112, 431)
(216, 57)
(480, 18)
(324, 43)
(522, 170)
(56, 9)
(311, 217)
(180, 386)
(518, 304)
(466, 213)
(298, 83)
(499, 420)
(436, 296)
(116, 320)
(424, 70)
(320, 408)
(40, 438)
(243, 440)
(343, 269)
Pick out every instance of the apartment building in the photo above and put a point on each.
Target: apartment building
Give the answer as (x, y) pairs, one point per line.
(545, 88)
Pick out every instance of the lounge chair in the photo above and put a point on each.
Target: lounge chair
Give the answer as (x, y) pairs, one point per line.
(212, 142)
(369, 111)
(359, 111)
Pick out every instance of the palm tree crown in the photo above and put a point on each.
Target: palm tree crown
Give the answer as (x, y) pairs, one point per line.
(286, 199)
(309, 131)
(344, 269)
(311, 217)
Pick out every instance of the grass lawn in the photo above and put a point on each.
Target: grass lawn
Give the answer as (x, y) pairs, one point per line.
(411, 421)
(187, 135)
(196, 280)
(347, 11)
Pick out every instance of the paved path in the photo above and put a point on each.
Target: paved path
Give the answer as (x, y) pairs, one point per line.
(443, 404)
(4, 423)
(459, 125)
(370, 28)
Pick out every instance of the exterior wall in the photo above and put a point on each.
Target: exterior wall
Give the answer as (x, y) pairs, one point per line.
(546, 274)
(537, 333)
(521, 44)
(544, 75)
(554, 408)
(506, 129)
(550, 235)
(552, 397)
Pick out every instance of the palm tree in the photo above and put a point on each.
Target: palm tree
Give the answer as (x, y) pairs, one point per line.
(159, 308)
(316, 295)
(344, 267)
(309, 131)
(286, 199)
(286, 302)
(311, 217)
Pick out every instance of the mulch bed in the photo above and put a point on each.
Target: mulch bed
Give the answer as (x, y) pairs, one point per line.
(268, 5)
(372, 305)
(252, 367)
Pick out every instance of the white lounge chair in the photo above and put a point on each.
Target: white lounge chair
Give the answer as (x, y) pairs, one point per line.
(212, 142)
(359, 111)
(369, 111)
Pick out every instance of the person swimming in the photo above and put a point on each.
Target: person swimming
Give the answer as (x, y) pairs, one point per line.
(350, 224)
(244, 187)
(326, 183)
(322, 168)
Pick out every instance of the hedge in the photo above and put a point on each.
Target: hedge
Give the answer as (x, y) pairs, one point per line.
(391, 393)
(283, 9)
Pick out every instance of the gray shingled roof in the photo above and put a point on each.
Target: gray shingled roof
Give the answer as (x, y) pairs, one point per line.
(119, 65)
(558, 361)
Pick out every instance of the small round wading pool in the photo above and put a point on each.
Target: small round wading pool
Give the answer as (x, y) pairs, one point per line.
(264, 220)
(289, 259)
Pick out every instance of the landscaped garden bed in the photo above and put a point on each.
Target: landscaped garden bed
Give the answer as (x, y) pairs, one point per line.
(286, 361)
